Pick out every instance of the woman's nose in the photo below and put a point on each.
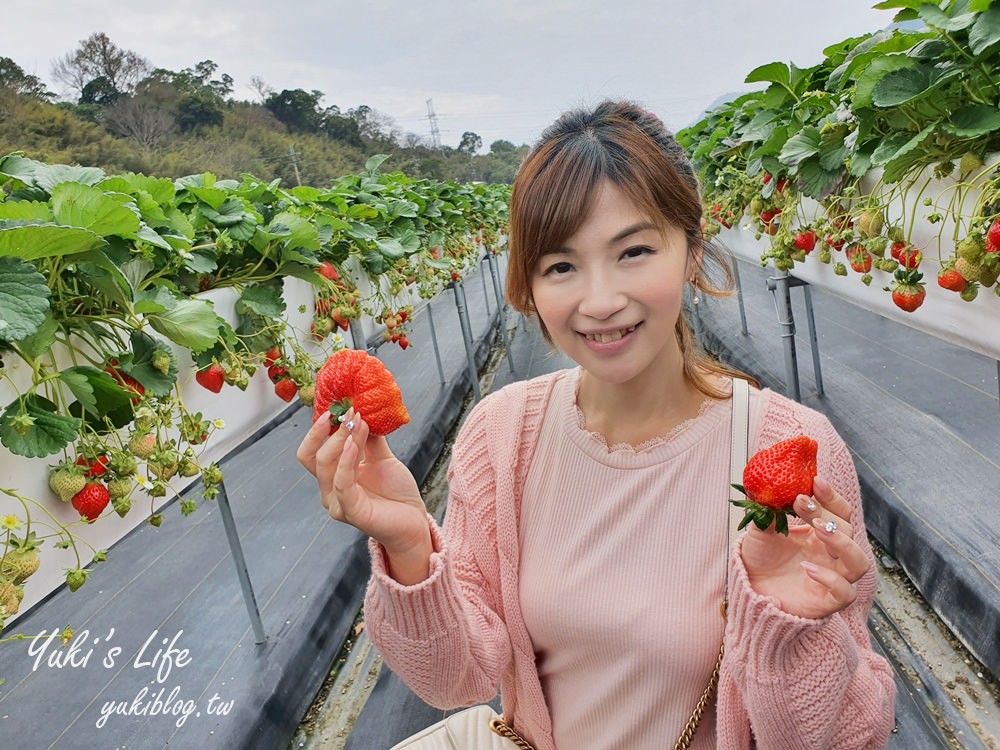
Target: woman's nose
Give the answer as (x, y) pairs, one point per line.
(602, 298)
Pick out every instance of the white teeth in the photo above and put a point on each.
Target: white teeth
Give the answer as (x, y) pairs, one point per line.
(606, 337)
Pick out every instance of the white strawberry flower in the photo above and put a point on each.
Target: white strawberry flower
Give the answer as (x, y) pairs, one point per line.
(219, 424)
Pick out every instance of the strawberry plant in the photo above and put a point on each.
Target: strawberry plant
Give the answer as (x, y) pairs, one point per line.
(102, 289)
(855, 142)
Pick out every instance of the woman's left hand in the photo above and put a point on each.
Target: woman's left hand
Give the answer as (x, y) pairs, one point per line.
(813, 571)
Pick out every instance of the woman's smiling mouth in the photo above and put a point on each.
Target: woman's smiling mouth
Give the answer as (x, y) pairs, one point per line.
(604, 338)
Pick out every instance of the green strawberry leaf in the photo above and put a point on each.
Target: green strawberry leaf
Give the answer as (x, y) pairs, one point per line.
(30, 426)
(302, 234)
(40, 341)
(32, 241)
(34, 211)
(24, 299)
(140, 366)
(79, 205)
(974, 120)
(985, 31)
(191, 323)
(262, 299)
(95, 390)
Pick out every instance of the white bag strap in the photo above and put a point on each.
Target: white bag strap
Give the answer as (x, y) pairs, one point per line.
(740, 446)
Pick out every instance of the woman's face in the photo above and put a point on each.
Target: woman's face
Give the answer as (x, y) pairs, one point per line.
(611, 295)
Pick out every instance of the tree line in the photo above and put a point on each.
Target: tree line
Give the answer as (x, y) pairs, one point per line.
(123, 114)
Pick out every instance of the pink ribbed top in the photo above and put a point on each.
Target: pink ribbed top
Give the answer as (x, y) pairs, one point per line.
(590, 512)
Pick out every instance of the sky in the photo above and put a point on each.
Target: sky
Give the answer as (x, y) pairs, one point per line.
(503, 69)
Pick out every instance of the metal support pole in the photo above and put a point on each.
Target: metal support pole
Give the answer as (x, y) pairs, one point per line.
(236, 548)
(486, 295)
(357, 334)
(463, 319)
(434, 341)
(500, 306)
(779, 287)
(813, 341)
(739, 297)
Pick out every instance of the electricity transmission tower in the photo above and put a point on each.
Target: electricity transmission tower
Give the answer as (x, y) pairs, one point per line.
(435, 133)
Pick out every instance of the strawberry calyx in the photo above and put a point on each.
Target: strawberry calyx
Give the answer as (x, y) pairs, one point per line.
(339, 409)
(761, 515)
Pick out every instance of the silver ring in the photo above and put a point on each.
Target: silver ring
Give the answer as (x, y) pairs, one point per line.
(831, 526)
(350, 425)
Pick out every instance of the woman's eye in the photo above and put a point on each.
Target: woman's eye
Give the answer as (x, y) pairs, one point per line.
(557, 269)
(635, 252)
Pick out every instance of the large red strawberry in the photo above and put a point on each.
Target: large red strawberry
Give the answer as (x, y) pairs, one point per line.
(91, 501)
(212, 377)
(353, 377)
(806, 241)
(949, 278)
(909, 291)
(773, 478)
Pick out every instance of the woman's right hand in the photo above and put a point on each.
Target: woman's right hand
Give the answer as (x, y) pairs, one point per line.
(363, 484)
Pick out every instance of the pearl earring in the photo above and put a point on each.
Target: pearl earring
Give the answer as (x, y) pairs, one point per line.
(695, 299)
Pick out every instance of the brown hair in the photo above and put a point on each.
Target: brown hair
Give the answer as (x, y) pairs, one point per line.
(555, 189)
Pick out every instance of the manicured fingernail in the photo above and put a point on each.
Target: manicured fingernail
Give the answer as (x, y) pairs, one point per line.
(324, 418)
(829, 527)
(809, 566)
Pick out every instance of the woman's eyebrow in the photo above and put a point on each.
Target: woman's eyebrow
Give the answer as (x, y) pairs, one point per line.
(623, 234)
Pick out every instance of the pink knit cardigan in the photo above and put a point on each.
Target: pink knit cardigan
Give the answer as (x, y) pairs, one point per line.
(786, 682)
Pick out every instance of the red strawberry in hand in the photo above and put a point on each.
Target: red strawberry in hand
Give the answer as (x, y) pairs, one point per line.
(773, 478)
(212, 377)
(91, 501)
(352, 377)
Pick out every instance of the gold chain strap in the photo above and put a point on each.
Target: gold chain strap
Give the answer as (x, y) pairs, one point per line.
(499, 727)
(684, 741)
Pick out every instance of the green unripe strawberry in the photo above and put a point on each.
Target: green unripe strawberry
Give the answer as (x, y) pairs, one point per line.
(968, 164)
(870, 223)
(307, 394)
(866, 279)
(123, 464)
(122, 506)
(156, 519)
(971, 248)
(76, 578)
(756, 206)
(21, 562)
(970, 270)
(970, 292)
(840, 269)
(143, 445)
(212, 474)
(66, 482)
(119, 488)
(988, 274)
(189, 467)
(825, 256)
(895, 234)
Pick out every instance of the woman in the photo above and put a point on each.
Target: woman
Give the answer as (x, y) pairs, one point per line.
(585, 547)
